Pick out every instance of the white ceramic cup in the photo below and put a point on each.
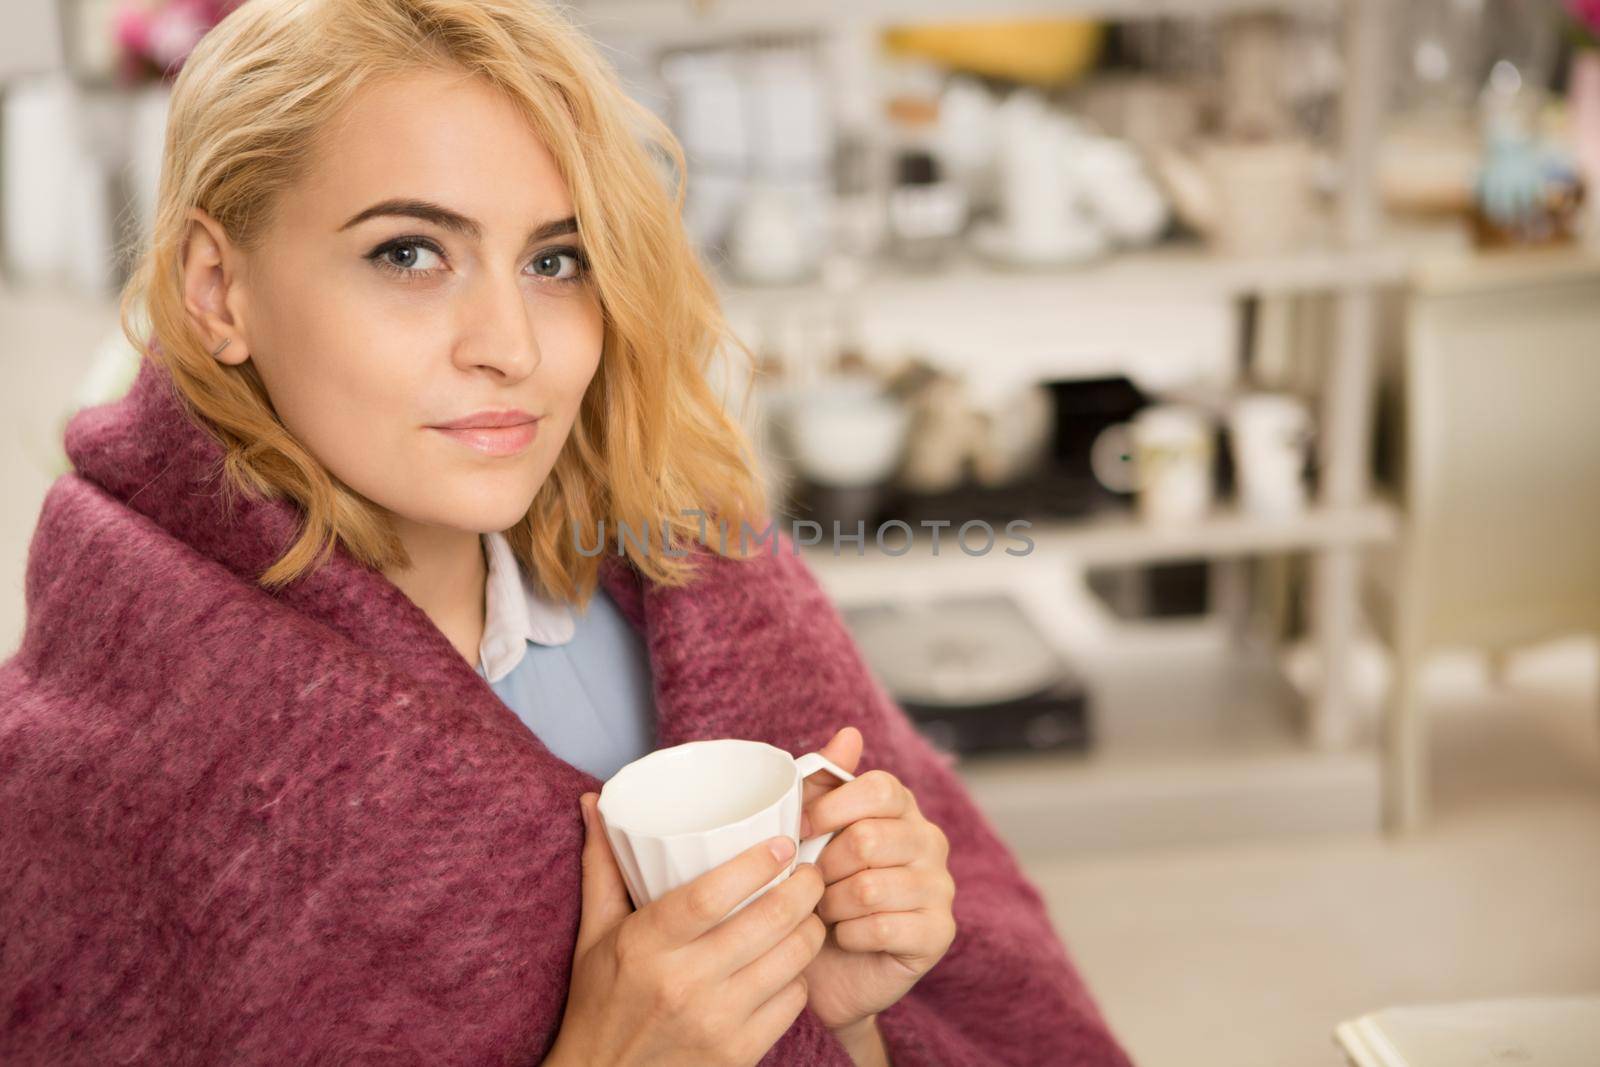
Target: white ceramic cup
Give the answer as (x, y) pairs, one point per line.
(675, 813)
(1172, 448)
(1270, 434)
(846, 434)
(1034, 202)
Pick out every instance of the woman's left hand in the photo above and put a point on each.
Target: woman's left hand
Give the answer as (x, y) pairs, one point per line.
(888, 896)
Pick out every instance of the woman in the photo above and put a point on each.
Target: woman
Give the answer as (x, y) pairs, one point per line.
(322, 672)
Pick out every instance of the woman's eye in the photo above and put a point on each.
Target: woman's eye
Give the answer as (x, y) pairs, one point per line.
(408, 257)
(550, 264)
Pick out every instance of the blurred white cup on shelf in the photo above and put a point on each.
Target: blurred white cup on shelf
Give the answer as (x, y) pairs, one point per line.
(846, 433)
(1172, 457)
(1044, 221)
(774, 237)
(967, 135)
(1112, 180)
(1042, 218)
(1270, 434)
(1017, 434)
(1164, 454)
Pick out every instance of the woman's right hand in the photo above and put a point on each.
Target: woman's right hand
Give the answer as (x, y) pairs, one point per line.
(673, 983)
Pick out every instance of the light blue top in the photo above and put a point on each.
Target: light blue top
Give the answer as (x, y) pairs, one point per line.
(581, 684)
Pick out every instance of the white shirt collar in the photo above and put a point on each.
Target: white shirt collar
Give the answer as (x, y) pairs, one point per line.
(516, 612)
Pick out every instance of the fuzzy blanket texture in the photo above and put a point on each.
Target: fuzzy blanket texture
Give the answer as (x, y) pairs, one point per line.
(298, 828)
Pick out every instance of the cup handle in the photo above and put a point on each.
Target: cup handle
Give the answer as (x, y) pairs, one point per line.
(810, 848)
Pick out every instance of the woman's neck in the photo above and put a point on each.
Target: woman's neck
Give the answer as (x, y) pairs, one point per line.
(446, 580)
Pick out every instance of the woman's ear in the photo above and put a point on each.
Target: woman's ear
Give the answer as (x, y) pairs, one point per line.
(213, 291)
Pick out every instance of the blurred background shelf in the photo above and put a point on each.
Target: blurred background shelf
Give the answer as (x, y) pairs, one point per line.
(1207, 749)
(1467, 273)
(1123, 538)
(1180, 268)
(1198, 734)
(1432, 256)
(1114, 537)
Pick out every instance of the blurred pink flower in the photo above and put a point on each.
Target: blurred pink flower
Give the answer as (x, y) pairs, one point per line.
(158, 35)
(1587, 13)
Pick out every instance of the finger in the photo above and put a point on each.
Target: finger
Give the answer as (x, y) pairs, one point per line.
(877, 794)
(884, 889)
(870, 843)
(772, 1020)
(605, 894)
(912, 936)
(745, 937)
(843, 749)
(766, 975)
(691, 909)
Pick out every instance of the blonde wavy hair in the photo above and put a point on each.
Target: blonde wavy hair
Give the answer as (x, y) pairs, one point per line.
(652, 443)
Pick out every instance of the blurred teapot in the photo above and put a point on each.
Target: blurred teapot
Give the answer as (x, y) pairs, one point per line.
(1246, 197)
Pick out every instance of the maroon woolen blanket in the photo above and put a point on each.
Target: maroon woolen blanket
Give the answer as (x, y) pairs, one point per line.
(246, 828)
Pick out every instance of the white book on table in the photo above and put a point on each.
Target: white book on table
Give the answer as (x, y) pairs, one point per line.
(1525, 1031)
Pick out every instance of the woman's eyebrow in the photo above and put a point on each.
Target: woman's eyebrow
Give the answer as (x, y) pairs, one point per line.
(454, 221)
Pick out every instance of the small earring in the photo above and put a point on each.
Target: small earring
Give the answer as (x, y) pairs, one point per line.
(220, 347)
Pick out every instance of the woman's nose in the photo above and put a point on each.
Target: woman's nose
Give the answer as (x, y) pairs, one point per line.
(498, 331)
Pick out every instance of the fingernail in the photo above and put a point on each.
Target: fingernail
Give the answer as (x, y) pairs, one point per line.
(588, 816)
(782, 848)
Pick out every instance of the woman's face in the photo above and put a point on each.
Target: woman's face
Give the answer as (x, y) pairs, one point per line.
(426, 270)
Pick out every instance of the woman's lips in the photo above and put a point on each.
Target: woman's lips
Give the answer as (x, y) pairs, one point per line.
(494, 440)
